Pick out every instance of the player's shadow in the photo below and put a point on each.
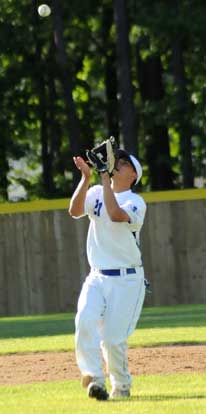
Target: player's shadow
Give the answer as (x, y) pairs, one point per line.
(159, 397)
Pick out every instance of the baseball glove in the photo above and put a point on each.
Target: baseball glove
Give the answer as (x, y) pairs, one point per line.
(103, 157)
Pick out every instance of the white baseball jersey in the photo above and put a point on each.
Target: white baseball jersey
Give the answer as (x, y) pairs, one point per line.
(113, 245)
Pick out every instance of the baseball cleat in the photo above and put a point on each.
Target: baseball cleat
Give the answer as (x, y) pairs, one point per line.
(120, 393)
(98, 391)
(85, 380)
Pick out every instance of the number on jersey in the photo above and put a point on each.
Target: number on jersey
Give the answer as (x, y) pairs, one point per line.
(97, 208)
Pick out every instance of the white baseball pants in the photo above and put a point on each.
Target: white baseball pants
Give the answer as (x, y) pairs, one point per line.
(108, 310)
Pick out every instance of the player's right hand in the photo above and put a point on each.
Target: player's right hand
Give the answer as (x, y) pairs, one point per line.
(82, 166)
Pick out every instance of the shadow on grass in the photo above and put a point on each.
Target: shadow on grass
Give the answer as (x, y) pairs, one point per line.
(35, 328)
(177, 318)
(160, 397)
(61, 324)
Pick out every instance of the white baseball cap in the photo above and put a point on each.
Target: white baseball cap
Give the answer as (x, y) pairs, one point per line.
(137, 167)
(133, 161)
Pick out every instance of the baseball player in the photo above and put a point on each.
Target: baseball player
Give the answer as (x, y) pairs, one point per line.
(113, 293)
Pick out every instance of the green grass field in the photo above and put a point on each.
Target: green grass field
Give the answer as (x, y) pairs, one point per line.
(157, 326)
(152, 394)
(172, 394)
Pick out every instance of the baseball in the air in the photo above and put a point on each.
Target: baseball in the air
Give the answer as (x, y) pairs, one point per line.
(44, 10)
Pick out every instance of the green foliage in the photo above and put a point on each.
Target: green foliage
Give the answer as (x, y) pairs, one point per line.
(33, 110)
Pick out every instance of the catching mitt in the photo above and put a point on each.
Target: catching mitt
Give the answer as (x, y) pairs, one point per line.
(103, 156)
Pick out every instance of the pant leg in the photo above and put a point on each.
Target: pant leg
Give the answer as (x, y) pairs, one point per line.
(87, 337)
(116, 359)
(124, 306)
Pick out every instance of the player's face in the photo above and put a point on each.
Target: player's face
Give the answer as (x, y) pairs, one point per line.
(124, 163)
(125, 170)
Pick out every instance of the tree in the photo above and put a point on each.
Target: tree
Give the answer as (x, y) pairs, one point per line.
(66, 81)
(150, 74)
(61, 94)
(125, 89)
(111, 86)
(184, 126)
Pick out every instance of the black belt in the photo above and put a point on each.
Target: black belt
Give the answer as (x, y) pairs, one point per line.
(117, 272)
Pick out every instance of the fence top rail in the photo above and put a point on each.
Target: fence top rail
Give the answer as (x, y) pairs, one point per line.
(62, 204)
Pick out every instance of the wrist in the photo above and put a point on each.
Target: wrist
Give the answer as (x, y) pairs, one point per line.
(105, 177)
(85, 178)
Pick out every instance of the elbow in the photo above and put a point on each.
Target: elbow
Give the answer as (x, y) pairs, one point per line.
(69, 211)
(74, 212)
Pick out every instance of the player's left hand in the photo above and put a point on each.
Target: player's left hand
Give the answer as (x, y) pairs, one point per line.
(103, 157)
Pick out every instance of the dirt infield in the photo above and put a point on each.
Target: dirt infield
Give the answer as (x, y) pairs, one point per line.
(60, 366)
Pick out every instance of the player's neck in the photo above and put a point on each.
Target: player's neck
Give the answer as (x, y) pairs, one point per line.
(119, 187)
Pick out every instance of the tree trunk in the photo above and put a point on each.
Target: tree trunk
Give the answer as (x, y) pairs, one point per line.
(182, 110)
(46, 149)
(46, 154)
(66, 81)
(55, 131)
(128, 115)
(4, 166)
(110, 74)
(157, 143)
